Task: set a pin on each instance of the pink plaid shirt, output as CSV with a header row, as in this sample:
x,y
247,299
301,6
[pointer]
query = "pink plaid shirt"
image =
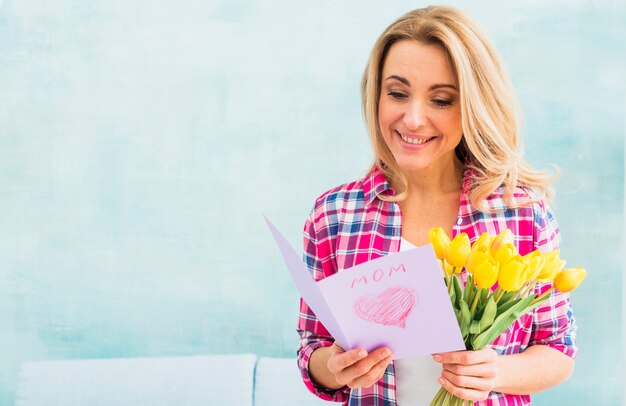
x,y
350,225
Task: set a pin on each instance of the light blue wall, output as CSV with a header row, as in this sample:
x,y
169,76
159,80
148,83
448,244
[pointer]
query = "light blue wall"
x,y
140,142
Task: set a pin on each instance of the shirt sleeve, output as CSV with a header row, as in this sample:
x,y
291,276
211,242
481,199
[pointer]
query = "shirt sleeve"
x,y
554,324
313,334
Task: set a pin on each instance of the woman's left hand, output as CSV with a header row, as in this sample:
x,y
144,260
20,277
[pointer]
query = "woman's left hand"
x,y
469,375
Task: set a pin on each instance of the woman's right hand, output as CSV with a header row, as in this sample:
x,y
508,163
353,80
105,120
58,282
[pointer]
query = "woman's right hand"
x,y
356,368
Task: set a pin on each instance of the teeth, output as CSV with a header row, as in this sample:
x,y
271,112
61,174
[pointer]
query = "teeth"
x,y
413,140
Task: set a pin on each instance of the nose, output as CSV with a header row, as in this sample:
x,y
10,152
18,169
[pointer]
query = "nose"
x,y
415,116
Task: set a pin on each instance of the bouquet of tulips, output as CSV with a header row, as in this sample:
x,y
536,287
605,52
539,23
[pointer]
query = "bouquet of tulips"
x,y
484,314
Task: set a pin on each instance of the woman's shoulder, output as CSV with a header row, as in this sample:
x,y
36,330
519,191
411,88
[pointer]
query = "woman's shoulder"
x,y
527,212
520,197
340,196
352,196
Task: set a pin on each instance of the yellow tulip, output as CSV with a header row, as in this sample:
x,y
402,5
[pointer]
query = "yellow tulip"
x,y
569,279
531,255
474,260
447,267
505,237
486,271
480,245
439,240
512,276
458,250
535,263
551,267
505,253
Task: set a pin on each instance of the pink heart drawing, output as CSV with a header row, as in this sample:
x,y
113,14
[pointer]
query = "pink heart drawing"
x,y
390,308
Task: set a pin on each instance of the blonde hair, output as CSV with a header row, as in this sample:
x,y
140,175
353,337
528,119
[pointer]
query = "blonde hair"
x,y
491,145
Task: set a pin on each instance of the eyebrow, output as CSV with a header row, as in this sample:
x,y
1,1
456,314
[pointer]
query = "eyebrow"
x,y
432,87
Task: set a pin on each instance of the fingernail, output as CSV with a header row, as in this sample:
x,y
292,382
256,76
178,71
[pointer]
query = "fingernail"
x,y
386,354
362,354
437,358
440,380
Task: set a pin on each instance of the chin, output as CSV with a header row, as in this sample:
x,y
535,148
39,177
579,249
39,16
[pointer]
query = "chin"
x,y
412,166
412,169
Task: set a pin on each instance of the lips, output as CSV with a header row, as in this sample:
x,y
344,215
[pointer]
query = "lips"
x,y
414,139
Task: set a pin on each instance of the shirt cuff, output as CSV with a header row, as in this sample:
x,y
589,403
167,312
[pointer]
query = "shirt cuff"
x,y
304,355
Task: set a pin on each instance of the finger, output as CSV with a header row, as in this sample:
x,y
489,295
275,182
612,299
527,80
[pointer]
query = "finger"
x,y
339,361
467,357
364,366
463,393
484,370
373,375
469,382
336,348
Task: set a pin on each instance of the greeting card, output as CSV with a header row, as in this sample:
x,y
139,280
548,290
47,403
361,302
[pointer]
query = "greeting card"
x,y
399,301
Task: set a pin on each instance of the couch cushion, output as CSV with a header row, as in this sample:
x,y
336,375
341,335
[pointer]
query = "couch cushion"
x,y
196,380
278,382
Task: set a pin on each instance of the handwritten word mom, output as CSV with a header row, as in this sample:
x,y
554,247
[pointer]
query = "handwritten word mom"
x,y
377,275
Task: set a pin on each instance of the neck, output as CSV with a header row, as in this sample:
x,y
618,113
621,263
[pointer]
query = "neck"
x,y
436,180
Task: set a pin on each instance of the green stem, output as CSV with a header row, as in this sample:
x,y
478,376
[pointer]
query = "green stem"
x,y
438,397
445,398
543,296
469,286
456,401
484,295
474,303
450,287
497,294
530,286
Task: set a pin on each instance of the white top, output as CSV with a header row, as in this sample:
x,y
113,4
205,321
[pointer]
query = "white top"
x,y
416,378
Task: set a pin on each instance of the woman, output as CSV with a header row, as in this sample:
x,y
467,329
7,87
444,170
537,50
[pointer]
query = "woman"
x,y
443,121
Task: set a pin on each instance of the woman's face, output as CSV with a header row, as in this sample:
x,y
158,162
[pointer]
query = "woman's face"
x,y
418,110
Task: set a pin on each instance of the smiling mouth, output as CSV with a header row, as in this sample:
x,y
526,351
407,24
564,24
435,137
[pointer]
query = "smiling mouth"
x,y
415,141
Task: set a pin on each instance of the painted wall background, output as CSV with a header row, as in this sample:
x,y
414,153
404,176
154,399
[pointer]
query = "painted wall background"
x,y
140,142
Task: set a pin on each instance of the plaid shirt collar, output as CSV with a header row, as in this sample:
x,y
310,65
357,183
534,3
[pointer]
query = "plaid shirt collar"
x,y
375,184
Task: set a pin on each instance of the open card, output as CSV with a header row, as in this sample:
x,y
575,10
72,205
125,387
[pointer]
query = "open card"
x,y
399,301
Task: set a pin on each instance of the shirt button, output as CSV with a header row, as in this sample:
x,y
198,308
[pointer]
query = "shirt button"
x,y
459,221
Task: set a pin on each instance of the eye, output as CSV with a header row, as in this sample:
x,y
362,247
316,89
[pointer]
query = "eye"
x,y
397,95
442,102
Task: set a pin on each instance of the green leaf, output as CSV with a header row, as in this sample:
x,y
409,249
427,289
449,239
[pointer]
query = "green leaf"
x,y
457,290
466,318
475,327
507,296
452,297
483,297
489,315
533,306
504,306
501,323
468,287
478,312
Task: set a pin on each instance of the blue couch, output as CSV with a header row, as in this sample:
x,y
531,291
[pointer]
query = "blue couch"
x,y
231,380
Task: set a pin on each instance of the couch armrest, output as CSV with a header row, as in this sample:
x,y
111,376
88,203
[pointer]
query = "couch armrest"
x,y
195,380
278,382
